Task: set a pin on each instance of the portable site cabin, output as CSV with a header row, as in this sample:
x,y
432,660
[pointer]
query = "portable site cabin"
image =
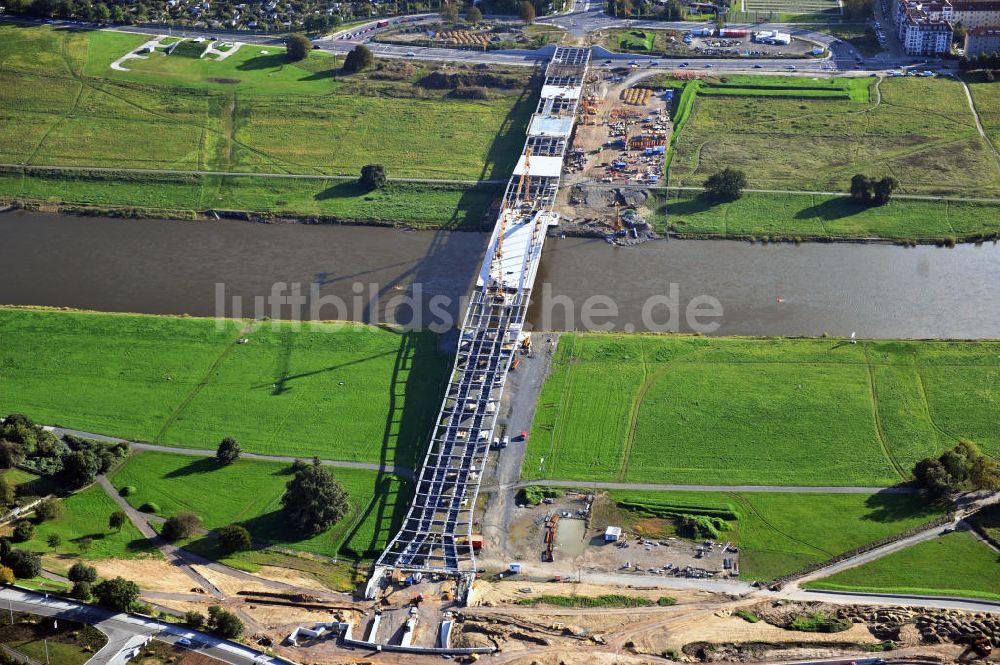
x,y
612,534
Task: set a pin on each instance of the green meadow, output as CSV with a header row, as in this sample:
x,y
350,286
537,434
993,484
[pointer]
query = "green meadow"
x,y
248,492
957,564
814,216
62,105
780,533
816,412
337,391
814,134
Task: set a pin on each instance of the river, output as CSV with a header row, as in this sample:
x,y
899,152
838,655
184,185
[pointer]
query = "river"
x,y
377,274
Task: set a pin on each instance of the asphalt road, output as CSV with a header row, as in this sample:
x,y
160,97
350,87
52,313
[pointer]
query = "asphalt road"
x,y
129,630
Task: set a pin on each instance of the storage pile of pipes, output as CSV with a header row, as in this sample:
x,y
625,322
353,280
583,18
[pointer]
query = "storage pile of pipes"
x,y
637,96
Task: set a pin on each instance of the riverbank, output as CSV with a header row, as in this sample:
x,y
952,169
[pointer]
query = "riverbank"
x,y
794,217
260,198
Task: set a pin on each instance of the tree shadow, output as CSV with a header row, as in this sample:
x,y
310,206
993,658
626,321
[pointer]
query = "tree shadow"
x,y
831,209
691,206
342,190
888,506
269,61
325,74
200,465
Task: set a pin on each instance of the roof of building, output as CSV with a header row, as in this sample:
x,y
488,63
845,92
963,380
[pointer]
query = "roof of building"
x,y
549,167
976,5
984,32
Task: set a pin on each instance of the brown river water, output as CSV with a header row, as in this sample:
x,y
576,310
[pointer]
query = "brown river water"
x,y
381,274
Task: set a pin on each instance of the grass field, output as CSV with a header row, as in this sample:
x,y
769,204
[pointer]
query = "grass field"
x,y
86,516
956,564
249,493
778,533
986,97
763,215
678,409
339,391
410,204
63,105
70,643
919,130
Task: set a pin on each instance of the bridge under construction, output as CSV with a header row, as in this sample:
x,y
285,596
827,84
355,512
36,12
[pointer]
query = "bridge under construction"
x,y
436,535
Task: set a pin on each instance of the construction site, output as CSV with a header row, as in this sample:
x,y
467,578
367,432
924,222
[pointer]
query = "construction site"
x,y
618,151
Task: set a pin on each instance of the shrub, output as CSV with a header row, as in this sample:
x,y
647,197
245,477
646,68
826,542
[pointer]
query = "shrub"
x,y
119,594
194,619
666,601
817,622
359,58
149,507
6,575
182,525
234,538
81,591
128,490
747,616
471,92
534,494
49,509
23,531
81,572
24,564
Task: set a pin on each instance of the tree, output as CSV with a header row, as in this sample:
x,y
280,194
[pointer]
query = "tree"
x,y
449,13
25,564
725,185
234,538
527,12
314,500
6,575
81,572
118,594
84,544
884,189
861,188
373,176
223,623
11,454
474,15
181,525
194,619
8,493
54,540
116,520
962,468
229,451
81,591
48,509
359,58
80,468
23,531
297,47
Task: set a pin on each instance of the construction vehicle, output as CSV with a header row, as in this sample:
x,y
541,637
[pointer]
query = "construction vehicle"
x,y
526,344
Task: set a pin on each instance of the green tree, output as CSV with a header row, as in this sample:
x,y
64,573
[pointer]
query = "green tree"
x,y
54,540
297,47
25,564
11,454
725,185
449,13
234,538
116,520
229,451
118,594
80,468
373,176
48,509
861,188
527,12
81,572
181,525
23,531
474,15
84,544
359,58
81,591
8,493
314,500
959,469
884,189
194,619
224,623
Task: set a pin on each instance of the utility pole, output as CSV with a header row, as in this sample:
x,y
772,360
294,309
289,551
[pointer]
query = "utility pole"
x,y
47,652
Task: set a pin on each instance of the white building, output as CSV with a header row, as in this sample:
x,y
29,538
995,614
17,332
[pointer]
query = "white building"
x,y
924,28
